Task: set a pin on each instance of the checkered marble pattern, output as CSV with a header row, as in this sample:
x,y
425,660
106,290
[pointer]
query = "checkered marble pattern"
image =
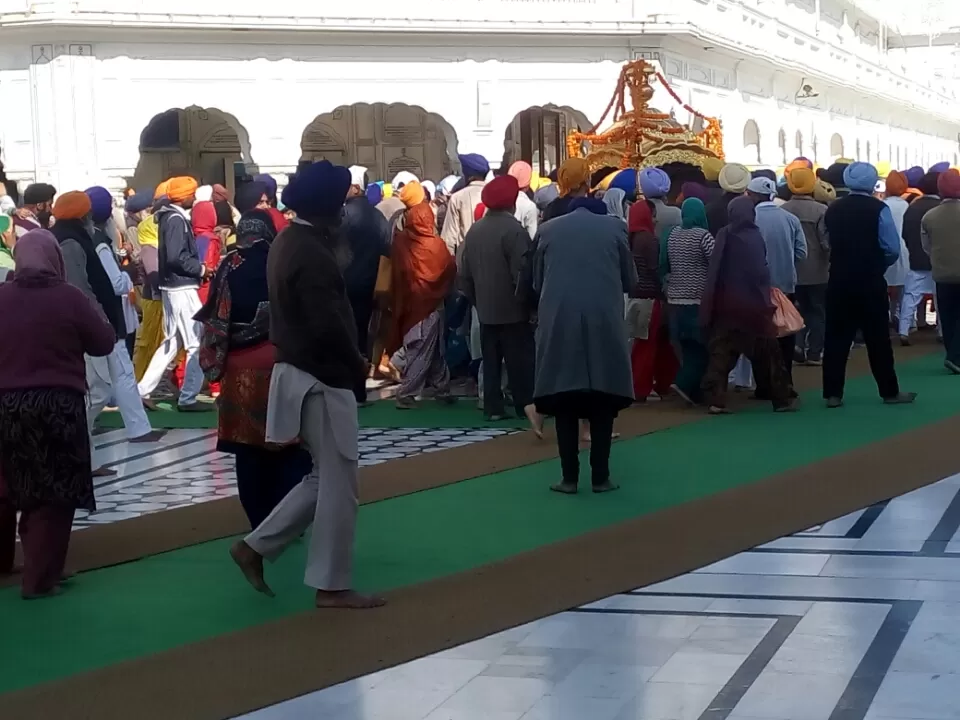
x,y
185,467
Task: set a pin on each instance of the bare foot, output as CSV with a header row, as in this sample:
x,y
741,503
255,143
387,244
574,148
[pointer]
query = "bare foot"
x,y
347,600
250,563
103,472
536,420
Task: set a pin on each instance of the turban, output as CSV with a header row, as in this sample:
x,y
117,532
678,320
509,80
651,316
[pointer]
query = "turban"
x,y
374,193
860,176
522,172
402,178
546,195
181,189
447,184
248,195
474,165
204,193
318,190
949,186
430,189
694,190
412,193
654,182
896,184
763,186
801,181
219,194
712,168
138,202
764,173
844,161
573,173
625,180
270,183
914,175
72,205
358,175
940,167
101,203
928,184
824,192
387,189
501,193
161,190
734,178
38,193
600,179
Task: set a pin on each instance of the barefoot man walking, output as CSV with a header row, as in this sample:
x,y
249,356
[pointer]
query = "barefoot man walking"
x,y
311,391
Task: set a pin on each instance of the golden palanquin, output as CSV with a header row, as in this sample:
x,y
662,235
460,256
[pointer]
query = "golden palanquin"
x,y
642,136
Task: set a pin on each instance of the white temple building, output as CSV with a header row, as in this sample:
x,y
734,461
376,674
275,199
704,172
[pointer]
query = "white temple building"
x,y
122,92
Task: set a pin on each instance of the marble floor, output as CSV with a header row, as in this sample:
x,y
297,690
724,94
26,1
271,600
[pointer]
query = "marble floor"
x,y
857,619
185,468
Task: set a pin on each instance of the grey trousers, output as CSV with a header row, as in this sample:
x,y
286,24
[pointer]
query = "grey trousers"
x,y
327,498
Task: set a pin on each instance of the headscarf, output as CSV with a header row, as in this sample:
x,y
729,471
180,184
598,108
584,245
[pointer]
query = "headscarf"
x,y
101,203
914,176
148,232
203,218
73,205
597,207
255,225
940,167
181,189
219,194
616,199
802,181
929,184
949,186
271,184
447,184
38,193
358,175
896,184
423,272
654,183
546,195
500,193
711,169
734,178
318,190
824,192
641,218
474,165
161,190
249,195
374,193
572,174
430,189
412,193
694,190
138,202
625,180
522,171
693,214
204,193
861,177
763,186
39,260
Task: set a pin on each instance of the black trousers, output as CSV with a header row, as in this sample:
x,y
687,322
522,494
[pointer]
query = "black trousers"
x,y
812,304
568,443
849,309
948,317
264,477
513,345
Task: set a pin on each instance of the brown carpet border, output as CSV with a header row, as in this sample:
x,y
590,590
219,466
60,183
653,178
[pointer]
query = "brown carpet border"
x,y
246,670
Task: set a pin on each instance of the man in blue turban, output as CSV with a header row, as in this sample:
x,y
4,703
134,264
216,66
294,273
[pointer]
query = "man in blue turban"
x,y
940,167
463,202
655,184
318,365
270,184
864,242
914,176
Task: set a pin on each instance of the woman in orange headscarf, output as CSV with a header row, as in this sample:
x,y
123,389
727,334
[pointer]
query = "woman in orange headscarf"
x,y
423,273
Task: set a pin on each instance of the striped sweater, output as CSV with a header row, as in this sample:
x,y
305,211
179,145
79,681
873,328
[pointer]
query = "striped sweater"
x,y
688,254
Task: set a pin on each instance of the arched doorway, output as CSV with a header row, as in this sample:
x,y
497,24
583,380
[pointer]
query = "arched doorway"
x,y
538,135
205,143
751,142
386,139
836,146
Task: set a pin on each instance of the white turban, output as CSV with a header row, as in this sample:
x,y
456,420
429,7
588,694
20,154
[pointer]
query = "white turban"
x,y
358,174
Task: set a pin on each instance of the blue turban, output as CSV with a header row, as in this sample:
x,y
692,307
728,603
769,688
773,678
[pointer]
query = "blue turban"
x,y
940,167
625,180
597,207
247,196
474,165
546,195
101,203
861,176
138,202
271,185
914,176
318,190
654,182
374,193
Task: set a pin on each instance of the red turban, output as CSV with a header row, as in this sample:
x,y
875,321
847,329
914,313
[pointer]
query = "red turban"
x,y
501,193
72,206
897,183
949,185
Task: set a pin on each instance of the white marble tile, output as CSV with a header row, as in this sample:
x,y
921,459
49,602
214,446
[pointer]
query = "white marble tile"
x,y
495,694
930,696
699,668
843,619
552,707
601,680
791,696
669,701
769,564
905,568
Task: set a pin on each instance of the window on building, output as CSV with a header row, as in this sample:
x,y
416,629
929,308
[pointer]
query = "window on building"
x,y
751,142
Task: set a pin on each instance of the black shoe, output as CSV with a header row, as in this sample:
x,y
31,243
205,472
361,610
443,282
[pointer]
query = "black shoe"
x,y
565,488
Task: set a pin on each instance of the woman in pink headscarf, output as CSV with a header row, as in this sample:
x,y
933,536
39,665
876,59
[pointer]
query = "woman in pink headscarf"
x,y
45,470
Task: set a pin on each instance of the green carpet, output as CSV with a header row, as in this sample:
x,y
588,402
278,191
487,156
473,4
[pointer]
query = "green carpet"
x,y
157,603
381,414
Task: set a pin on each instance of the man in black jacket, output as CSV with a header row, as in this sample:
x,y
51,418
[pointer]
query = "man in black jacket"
x,y
919,280
181,273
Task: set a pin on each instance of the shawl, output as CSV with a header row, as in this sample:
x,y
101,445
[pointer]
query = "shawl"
x,y
203,218
423,272
616,201
737,293
39,260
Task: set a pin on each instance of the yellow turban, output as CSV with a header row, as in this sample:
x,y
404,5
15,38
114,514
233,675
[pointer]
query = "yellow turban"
x,y
71,206
387,190
711,169
161,190
412,193
801,181
180,189
824,192
844,161
147,232
573,173
795,165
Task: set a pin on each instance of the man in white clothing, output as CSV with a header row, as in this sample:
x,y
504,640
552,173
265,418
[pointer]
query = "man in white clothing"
x,y
526,211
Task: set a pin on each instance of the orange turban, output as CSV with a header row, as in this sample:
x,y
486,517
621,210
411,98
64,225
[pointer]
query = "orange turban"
x,y
573,173
161,190
181,188
801,180
412,193
897,184
72,206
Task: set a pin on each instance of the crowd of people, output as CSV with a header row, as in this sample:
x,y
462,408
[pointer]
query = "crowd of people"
x,y
571,296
